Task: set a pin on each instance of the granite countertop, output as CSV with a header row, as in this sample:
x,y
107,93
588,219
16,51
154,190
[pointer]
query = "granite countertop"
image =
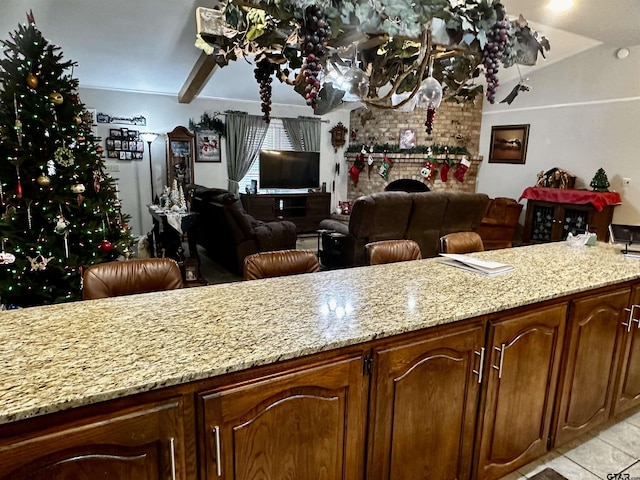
x,y
63,356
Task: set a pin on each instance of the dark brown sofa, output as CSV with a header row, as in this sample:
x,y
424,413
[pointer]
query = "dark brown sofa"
x,y
423,217
228,233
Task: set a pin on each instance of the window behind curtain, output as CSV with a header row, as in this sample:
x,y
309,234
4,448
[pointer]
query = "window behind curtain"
x,y
276,139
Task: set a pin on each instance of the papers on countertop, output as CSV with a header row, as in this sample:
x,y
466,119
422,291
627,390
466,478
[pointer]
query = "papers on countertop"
x,y
477,265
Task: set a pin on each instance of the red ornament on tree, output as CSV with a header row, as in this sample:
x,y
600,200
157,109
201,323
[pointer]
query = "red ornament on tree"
x,y
105,246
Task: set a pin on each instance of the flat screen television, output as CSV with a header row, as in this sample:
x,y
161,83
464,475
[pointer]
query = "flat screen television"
x,y
289,169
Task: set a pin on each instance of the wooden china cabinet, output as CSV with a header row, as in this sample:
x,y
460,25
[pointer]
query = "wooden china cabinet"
x,y
180,155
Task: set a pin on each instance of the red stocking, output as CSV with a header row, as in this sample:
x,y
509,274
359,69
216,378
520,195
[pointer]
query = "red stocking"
x,y
462,169
444,171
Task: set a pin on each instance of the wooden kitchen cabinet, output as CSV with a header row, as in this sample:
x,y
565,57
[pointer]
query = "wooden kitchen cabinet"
x,y
627,394
523,358
592,351
304,424
423,407
142,443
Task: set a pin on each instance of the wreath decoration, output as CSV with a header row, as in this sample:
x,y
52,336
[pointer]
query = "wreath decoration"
x,y
63,156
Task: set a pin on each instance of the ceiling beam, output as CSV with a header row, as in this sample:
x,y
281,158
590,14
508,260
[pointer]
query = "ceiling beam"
x,y
197,79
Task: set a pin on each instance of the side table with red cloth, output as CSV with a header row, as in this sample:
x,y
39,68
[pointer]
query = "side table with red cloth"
x,y
599,200
553,213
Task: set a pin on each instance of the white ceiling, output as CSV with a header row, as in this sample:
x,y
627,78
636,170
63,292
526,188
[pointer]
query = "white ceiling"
x,y
148,46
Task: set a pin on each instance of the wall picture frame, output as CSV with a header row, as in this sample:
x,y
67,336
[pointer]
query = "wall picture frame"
x,y
208,146
407,138
509,144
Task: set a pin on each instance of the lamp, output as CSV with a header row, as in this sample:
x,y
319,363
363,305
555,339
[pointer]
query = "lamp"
x,y
397,42
149,137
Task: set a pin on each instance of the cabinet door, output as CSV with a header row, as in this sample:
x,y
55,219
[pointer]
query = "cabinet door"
x,y
143,444
628,386
307,424
424,406
573,219
523,361
540,222
589,372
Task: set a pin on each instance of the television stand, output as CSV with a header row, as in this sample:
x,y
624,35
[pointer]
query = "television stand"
x,y
306,210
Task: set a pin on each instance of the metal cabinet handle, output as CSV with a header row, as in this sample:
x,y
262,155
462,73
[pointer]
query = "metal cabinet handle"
x,y
216,434
499,367
481,364
629,322
172,452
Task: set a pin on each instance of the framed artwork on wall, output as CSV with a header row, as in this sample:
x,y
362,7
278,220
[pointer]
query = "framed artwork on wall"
x,y
207,146
509,144
407,138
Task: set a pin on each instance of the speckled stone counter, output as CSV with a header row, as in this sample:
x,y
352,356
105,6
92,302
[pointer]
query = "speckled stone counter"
x,y
63,356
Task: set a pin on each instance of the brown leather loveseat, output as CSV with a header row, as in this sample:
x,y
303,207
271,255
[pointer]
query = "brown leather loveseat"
x,y
420,216
228,233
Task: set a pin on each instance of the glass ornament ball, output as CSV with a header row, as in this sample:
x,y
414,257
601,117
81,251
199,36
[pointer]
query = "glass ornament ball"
x,y
32,81
355,83
105,246
56,98
78,188
430,93
44,180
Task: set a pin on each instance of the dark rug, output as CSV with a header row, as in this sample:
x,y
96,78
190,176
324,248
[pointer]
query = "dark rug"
x,y
548,474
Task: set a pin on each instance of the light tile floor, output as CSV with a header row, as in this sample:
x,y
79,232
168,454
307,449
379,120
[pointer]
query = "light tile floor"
x,y
612,449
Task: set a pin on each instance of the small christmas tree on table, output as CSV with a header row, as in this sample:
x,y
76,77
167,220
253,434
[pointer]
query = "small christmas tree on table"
x,y
600,182
59,211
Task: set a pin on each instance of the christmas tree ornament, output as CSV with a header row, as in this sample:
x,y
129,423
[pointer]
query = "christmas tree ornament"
x,y
32,81
78,188
43,180
17,126
64,157
600,182
51,168
29,216
105,246
77,119
39,262
387,163
56,98
18,185
97,178
462,169
5,257
61,224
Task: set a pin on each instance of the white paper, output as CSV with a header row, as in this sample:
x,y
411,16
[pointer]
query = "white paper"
x,y
477,265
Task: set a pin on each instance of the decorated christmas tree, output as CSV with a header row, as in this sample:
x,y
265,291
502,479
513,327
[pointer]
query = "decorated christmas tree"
x,y
59,211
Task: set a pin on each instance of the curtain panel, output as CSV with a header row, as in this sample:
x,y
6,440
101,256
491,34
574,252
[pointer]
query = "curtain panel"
x,y
245,135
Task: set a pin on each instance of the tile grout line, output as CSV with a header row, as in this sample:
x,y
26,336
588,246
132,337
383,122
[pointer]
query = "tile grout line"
x,y
583,467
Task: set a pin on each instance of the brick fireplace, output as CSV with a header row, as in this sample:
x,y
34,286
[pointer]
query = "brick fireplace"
x,y
455,125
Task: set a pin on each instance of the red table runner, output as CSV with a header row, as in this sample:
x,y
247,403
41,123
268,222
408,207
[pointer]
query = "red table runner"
x,y
599,200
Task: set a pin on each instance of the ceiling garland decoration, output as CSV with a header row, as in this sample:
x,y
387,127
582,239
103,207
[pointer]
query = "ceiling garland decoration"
x,y
391,54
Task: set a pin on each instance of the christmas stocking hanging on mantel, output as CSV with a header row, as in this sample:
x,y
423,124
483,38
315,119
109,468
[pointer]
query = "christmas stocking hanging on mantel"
x,y
462,169
385,167
444,170
356,168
